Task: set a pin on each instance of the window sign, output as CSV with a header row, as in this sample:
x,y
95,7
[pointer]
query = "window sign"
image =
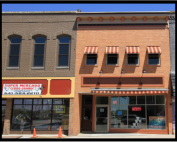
x,y
60,109
156,122
136,108
119,112
22,89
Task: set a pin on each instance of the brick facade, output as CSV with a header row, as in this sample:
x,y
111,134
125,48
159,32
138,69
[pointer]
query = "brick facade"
x,y
28,25
121,37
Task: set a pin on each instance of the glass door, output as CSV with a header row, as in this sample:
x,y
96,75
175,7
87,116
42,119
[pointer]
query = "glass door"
x,y
101,118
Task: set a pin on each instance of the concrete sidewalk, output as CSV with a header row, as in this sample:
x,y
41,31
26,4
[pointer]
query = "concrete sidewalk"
x,y
99,136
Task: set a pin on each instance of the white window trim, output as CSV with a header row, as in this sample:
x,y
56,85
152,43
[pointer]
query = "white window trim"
x,y
127,60
91,64
112,64
154,64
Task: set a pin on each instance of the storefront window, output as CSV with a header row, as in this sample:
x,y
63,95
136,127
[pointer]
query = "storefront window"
x,y
42,114
141,112
136,117
156,117
21,117
101,100
3,112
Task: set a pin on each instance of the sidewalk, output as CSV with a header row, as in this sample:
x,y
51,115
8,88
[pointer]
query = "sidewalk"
x,y
98,135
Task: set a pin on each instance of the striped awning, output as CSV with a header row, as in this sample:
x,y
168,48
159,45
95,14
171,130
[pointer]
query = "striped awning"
x,y
91,50
112,50
154,50
132,50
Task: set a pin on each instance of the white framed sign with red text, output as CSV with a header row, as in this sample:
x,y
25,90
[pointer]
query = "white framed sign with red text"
x,y
22,89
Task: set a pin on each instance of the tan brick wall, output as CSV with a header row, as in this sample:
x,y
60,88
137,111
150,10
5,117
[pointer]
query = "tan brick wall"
x,y
121,38
71,110
6,129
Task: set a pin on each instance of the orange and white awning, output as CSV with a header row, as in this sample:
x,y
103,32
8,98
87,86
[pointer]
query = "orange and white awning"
x,y
154,50
91,50
112,50
132,50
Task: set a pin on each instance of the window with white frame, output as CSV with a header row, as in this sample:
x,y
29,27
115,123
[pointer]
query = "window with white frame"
x,y
154,59
132,59
112,59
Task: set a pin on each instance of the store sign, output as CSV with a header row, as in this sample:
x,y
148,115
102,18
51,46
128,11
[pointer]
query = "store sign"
x,y
60,109
22,89
114,102
136,108
156,122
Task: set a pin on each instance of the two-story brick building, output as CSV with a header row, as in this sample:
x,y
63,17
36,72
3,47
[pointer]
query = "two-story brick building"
x,y
122,73
38,71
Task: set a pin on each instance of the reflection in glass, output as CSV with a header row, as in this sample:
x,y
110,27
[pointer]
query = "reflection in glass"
x,y
27,101
3,116
37,101
3,102
60,117
40,40
136,118
21,117
16,40
118,117
123,100
47,101
57,101
41,117
114,101
17,101
64,40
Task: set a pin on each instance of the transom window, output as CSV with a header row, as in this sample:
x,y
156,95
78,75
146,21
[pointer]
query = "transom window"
x,y
39,52
63,55
14,52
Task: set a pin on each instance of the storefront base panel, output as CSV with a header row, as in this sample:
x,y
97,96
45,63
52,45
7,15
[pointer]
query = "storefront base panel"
x,y
38,132
140,131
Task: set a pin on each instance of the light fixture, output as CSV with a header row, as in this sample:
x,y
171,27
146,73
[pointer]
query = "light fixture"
x,y
144,71
101,72
122,72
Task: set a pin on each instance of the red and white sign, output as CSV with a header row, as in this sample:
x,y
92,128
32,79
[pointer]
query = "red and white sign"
x,y
15,89
136,108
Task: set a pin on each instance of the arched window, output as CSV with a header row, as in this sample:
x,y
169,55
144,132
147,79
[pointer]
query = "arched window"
x,y
14,52
39,52
63,55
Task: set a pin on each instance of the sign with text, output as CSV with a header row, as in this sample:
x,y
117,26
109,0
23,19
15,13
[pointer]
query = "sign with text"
x,y
60,109
156,122
136,108
22,89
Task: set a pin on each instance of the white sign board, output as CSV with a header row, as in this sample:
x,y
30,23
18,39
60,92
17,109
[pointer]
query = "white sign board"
x,y
22,89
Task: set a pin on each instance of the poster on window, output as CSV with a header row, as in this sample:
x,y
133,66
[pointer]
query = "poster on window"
x,y
156,122
60,109
22,89
66,122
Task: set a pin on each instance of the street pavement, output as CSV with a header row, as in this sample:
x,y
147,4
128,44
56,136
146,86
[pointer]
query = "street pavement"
x,y
100,136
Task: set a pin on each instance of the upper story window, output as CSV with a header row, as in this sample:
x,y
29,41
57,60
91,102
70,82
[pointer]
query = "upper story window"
x,y
154,59
112,59
63,55
132,59
91,59
14,52
39,52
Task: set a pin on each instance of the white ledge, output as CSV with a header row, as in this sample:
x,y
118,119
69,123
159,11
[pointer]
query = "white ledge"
x,y
12,68
62,67
37,68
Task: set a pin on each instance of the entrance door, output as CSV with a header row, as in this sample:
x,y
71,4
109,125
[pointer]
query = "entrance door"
x,y
101,118
86,122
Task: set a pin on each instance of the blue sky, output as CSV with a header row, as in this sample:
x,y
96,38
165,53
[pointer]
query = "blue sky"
x,y
88,7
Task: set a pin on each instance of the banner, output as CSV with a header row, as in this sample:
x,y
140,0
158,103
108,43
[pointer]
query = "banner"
x,y
22,89
156,122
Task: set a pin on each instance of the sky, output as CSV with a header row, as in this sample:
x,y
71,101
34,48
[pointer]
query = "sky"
x,y
88,7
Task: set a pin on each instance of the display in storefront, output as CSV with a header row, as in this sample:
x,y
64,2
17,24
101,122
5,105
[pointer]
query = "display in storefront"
x,y
156,122
136,108
60,109
26,89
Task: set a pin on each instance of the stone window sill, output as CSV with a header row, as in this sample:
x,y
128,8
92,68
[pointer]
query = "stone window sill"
x,y
37,68
12,68
62,67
